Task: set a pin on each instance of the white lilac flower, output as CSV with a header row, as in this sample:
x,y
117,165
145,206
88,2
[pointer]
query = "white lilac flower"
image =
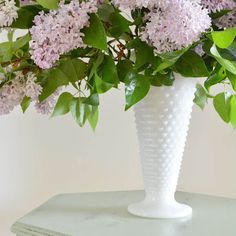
x,y
59,31
177,26
8,12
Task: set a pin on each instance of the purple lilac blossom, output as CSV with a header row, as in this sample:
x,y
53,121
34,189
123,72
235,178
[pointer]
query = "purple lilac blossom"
x,y
177,26
46,107
199,50
32,88
130,4
26,2
227,21
13,92
59,31
218,5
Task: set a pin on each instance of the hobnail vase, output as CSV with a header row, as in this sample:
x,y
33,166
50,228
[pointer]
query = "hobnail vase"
x,y
162,121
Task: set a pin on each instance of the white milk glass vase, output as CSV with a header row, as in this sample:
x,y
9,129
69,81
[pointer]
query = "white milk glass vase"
x,y
162,120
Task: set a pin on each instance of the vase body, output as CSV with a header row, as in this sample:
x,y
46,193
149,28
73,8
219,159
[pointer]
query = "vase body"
x,y
162,121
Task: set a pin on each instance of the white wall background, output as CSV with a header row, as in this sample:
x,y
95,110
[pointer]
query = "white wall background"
x,y
41,157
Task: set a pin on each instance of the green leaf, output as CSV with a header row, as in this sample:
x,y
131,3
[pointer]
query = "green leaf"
x,y
102,86
74,69
144,54
25,104
228,65
79,110
49,4
81,52
107,71
232,79
54,79
104,12
217,76
138,16
207,45
93,117
200,96
223,39
63,104
169,59
94,64
17,2
218,14
119,24
233,111
21,42
123,67
6,51
1,69
191,65
222,105
71,70
136,88
26,15
95,34
228,53
93,100
162,79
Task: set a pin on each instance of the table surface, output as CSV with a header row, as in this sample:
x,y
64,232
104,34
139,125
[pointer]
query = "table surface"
x,y
105,214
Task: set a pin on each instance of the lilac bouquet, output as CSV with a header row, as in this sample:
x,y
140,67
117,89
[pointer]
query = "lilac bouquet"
x,y
96,45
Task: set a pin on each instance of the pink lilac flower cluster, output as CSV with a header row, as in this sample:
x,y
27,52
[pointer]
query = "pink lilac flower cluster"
x,y
199,50
131,4
11,95
8,12
59,31
13,92
26,2
218,5
32,88
176,26
46,107
226,21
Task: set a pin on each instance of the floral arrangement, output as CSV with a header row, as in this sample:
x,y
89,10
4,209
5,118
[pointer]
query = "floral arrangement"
x,y
93,46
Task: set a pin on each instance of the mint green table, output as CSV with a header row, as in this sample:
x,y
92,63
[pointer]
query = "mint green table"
x,y
105,214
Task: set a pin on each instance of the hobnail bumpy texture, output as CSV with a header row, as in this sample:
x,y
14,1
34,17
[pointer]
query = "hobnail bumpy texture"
x,y
162,120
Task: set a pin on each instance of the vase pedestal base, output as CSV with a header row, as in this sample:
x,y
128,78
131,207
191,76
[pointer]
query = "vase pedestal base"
x,y
155,209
